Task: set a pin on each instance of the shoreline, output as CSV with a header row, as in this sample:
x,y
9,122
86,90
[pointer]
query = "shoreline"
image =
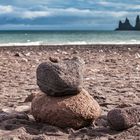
x,y
77,46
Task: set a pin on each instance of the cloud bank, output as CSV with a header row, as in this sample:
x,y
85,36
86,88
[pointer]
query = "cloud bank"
x,y
56,14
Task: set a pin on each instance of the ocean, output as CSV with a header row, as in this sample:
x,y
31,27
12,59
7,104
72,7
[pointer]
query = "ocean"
x,y
8,38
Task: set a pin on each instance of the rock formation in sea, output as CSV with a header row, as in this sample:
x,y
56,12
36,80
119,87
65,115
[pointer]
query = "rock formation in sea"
x,y
137,26
124,26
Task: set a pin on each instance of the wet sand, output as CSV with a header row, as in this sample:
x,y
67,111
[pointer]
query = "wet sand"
x,y
112,77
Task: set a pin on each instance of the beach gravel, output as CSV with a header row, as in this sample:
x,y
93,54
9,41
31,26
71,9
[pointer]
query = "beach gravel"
x,y
112,77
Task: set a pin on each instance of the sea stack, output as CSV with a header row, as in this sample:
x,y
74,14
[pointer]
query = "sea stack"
x,y
62,100
126,26
137,26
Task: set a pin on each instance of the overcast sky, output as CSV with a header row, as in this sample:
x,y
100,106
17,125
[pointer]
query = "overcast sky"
x,y
66,14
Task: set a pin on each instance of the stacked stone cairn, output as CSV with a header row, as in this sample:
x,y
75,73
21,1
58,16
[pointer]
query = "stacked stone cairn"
x,y
62,100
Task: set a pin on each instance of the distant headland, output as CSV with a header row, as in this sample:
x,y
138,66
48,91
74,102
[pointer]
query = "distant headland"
x,y
124,26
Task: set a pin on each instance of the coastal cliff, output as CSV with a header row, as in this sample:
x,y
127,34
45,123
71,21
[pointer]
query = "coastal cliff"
x,y
124,26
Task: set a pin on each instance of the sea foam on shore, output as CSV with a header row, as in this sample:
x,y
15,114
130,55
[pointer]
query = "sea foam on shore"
x,y
37,43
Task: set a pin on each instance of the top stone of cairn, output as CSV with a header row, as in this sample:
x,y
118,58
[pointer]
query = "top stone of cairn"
x,y
62,78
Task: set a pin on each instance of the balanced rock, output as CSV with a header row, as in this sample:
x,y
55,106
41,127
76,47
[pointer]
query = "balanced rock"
x,y
74,111
62,78
123,118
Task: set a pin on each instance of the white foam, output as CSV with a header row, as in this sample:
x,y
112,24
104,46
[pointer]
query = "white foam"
x,y
77,42
22,44
37,43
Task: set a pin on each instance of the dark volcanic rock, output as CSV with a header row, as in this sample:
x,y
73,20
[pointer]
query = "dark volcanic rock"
x,y
59,79
123,118
13,114
74,111
137,26
18,54
125,26
54,59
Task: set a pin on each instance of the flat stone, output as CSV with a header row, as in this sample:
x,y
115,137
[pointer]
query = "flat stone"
x,y
11,115
18,134
23,108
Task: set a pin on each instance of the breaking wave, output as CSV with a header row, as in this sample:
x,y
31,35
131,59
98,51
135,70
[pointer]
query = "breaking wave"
x,y
68,43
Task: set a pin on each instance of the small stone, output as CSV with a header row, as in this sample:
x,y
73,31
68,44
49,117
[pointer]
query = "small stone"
x,y
75,52
64,52
12,114
138,124
24,60
27,54
124,105
60,79
68,111
102,121
40,137
123,118
52,130
18,54
9,127
54,59
17,134
23,108
6,110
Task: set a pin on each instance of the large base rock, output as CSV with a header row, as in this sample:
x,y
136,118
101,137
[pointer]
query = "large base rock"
x,y
62,78
69,111
123,118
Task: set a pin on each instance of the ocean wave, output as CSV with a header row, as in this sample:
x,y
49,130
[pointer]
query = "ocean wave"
x,y
100,43
22,44
37,43
77,42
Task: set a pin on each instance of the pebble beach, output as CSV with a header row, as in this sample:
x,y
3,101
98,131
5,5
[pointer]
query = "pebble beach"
x,y
111,76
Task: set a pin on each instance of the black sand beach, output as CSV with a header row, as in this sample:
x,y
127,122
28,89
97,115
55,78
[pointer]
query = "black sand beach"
x,y
112,77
